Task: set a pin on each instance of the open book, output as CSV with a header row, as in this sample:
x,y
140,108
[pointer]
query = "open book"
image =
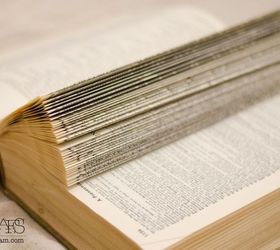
x,y
135,158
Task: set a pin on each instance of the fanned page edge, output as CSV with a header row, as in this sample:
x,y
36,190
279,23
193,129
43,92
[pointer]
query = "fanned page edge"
x,y
202,15
277,194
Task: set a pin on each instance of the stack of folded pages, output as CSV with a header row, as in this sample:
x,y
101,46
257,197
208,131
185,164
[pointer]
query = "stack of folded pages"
x,y
52,146
113,118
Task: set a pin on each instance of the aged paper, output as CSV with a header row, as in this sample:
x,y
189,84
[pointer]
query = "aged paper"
x,y
178,189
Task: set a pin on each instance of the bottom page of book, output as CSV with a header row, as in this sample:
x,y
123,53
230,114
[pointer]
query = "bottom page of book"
x,y
170,193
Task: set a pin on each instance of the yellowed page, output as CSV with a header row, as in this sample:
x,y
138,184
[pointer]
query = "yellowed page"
x,y
170,193
60,62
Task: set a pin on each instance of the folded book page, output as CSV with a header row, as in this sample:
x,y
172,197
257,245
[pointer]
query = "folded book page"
x,y
172,192
93,51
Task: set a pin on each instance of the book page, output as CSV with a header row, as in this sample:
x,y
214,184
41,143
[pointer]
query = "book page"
x,y
93,51
6,105
166,195
83,55
97,50
55,64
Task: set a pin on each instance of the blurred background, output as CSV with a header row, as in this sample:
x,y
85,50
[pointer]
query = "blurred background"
x,y
26,22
